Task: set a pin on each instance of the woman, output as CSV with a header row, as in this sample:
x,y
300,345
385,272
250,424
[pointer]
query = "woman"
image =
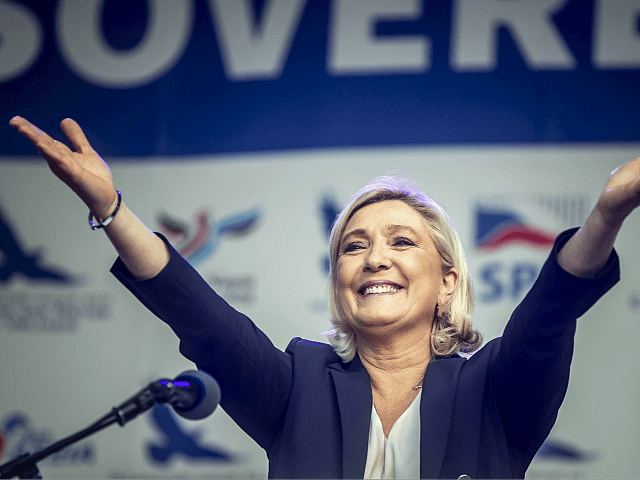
x,y
393,399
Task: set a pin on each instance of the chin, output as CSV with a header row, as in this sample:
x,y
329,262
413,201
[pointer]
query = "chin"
x,y
375,322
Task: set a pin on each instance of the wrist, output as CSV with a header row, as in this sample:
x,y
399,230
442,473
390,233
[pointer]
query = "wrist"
x,y
604,219
102,221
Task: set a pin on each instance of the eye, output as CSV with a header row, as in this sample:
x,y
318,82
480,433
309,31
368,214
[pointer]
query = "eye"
x,y
352,247
402,242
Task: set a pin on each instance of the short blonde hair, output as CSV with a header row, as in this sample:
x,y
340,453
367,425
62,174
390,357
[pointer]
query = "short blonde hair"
x,y
452,328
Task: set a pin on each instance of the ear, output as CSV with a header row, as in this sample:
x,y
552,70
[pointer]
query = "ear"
x,y
448,287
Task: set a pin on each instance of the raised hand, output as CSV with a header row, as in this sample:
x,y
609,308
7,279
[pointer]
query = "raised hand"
x,y
588,250
82,169
621,194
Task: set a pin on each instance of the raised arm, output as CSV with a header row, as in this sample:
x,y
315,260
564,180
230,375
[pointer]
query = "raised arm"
x,y
86,173
530,374
587,251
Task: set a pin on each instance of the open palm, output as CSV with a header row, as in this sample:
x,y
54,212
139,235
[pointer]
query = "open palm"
x,y
82,169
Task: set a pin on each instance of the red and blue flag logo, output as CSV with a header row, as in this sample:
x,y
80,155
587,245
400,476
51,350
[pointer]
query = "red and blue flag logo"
x,y
529,220
498,229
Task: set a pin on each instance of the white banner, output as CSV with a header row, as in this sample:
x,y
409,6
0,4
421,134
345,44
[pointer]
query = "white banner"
x,y
76,343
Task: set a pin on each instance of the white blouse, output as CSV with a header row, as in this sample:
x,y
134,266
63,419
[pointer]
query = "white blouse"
x,y
397,456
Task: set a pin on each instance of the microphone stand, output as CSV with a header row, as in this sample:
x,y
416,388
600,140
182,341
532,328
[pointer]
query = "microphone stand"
x,y
161,391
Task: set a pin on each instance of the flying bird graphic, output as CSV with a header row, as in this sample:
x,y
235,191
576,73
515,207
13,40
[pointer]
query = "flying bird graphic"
x,y
197,245
29,264
554,449
173,440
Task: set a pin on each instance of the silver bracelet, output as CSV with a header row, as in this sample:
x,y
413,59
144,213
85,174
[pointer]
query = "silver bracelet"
x,y
109,219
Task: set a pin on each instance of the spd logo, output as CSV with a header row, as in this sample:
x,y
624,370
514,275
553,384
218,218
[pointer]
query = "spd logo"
x,y
514,233
498,229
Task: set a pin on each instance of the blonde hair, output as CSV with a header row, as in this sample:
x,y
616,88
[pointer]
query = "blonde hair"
x,y
452,330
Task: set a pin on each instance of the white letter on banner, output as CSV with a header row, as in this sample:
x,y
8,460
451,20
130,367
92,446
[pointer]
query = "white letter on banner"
x,y
616,42
85,50
252,50
354,48
21,40
474,34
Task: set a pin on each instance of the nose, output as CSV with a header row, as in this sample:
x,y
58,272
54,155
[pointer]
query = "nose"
x,y
376,259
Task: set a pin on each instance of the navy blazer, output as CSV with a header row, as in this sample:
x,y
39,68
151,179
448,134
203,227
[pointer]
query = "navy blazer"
x,y
485,416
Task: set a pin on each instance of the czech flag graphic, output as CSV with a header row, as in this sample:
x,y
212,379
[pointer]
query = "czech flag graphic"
x,y
497,229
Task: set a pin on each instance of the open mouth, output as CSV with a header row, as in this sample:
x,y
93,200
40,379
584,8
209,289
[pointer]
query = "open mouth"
x,y
378,290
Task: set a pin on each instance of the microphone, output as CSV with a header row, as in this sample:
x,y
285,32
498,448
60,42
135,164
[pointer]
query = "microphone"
x,y
192,394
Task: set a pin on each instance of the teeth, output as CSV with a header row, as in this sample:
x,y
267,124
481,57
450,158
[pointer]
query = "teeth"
x,y
380,289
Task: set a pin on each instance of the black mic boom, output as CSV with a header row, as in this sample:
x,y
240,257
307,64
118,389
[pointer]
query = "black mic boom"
x,y
192,394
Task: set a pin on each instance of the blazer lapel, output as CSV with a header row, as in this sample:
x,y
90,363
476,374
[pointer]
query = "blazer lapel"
x,y
353,389
436,412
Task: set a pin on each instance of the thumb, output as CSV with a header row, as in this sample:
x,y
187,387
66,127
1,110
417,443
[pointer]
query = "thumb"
x,y
75,135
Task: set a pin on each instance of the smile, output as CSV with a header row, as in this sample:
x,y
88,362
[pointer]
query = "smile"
x,y
379,289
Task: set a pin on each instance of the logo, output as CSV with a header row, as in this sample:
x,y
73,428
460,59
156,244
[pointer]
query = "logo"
x,y
41,311
561,459
196,243
497,229
51,312
174,442
508,220
329,211
557,450
200,241
18,436
15,259
511,230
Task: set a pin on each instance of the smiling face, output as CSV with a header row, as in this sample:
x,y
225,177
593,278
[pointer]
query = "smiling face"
x,y
389,272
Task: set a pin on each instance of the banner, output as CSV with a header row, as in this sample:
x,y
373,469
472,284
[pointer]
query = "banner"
x,y
188,77
255,121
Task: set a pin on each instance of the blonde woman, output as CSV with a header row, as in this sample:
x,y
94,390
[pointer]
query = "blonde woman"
x,y
391,397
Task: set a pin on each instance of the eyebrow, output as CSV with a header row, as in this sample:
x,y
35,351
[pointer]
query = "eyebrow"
x,y
401,228
361,232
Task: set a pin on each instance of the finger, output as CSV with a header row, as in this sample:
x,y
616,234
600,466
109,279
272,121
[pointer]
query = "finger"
x,y
76,136
59,157
30,131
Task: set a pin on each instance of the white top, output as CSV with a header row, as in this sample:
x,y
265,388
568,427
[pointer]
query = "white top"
x,y
399,455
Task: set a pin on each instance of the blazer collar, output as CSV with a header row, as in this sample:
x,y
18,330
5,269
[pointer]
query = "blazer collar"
x,y
353,389
439,390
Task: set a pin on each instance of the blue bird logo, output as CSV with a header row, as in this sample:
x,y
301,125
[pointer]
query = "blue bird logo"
x,y
329,211
18,261
174,441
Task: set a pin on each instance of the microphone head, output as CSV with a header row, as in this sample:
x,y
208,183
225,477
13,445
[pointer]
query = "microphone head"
x,y
209,395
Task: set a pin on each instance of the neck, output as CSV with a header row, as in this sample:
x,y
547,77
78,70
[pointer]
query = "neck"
x,y
395,363
395,369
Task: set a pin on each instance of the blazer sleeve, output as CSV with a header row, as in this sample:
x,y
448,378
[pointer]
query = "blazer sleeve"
x,y
530,375
254,376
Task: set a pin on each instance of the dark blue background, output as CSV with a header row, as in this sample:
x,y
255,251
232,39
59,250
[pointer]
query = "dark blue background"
x,y
194,109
